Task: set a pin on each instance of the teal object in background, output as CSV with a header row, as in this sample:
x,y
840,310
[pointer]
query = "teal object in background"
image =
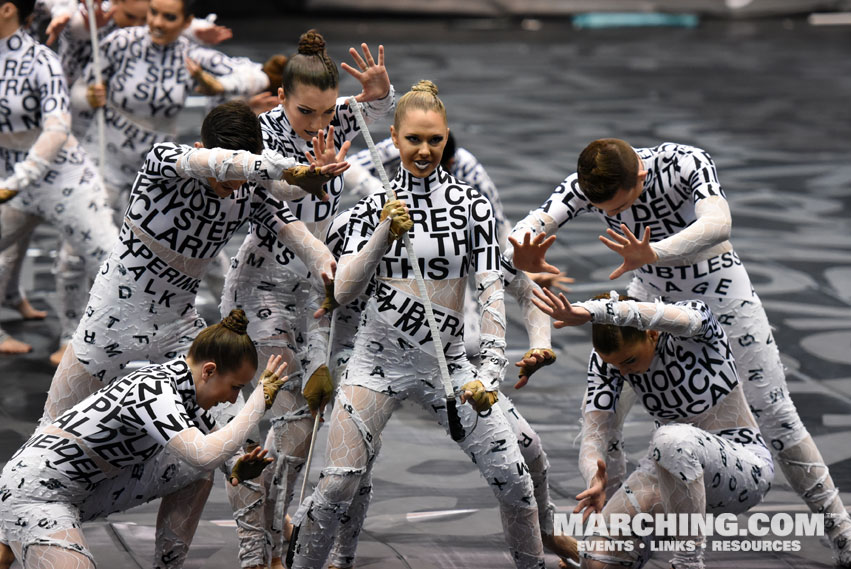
x,y
597,20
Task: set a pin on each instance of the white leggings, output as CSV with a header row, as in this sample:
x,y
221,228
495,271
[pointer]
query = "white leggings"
x,y
378,377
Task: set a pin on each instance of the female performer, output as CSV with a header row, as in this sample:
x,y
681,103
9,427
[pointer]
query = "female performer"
x,y
670,196
270,283
92,458
148,73
707,455
46,173
394,356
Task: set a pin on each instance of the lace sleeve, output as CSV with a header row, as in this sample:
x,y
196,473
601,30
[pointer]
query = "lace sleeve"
x,y
365,246
379,108
676,319
595,433
711,228
354,272
490,297
318,330
313,252
222,164
210,451
537,323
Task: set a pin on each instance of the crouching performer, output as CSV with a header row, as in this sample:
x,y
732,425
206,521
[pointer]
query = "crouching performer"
x,y
706,454
138,438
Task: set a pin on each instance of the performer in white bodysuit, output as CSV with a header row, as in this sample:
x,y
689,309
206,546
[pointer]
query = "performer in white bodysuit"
x,y
46,173
453,234
269,282
669,219
112,450
706,454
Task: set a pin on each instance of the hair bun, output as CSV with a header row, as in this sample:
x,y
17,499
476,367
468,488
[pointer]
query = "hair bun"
x,y
236,321
311,42
425,86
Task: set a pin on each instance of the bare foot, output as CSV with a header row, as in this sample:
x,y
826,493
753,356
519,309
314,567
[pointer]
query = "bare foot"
x,y
564,546
56,356
13,346
29,312
6,556
288,528
277,563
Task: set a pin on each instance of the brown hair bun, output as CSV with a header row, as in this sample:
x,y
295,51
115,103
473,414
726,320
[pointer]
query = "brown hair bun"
x,y
311,42
236,321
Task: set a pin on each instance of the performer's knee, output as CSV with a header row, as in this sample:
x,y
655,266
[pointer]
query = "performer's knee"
x,y
678,449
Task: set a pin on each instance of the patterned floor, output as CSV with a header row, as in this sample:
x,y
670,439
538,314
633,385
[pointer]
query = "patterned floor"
x,y
767,98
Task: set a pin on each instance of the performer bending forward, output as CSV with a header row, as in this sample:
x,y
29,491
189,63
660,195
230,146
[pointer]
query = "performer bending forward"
x,y
707,455
394,356
99,455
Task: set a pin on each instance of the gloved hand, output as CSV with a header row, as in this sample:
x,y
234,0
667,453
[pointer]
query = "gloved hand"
x,y
319,389
400,221
330,303
6,195
474,392
249,465
96,95
309,179
270,381
207,84
532,361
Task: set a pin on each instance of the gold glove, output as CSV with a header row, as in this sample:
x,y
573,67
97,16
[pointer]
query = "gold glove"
x,y
271,385
308,179
6,195
319,389
400,221
330,303
92,98
544,357
248,469
482,399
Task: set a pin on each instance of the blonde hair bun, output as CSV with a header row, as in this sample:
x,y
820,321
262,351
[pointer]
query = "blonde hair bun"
x,y
425,86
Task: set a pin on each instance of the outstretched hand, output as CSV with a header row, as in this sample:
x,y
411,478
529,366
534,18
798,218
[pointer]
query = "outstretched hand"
x,y
593,499
325,158
55,27
559,309
271,380
635,253
371,75
530,255
213,35
250,465
552,281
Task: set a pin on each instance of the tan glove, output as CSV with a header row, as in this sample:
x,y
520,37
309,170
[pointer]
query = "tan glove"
x,y
308,179
247,467
330,303
6,195
400,221
207,84
544,357
96,96
271,385
319,389
482,399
